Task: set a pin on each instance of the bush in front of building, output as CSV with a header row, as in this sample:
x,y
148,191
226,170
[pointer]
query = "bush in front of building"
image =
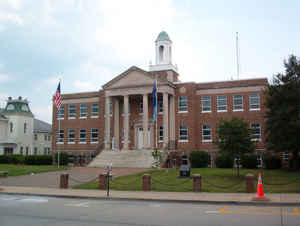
x,y
272,162
63,158
38,160
199,159
12,159
249,161
224,161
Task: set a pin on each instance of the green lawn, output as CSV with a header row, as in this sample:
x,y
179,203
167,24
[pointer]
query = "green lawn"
x,y
213,180
17,170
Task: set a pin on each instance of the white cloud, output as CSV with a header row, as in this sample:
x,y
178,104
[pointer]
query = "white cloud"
x,y
12,17
84,86
43,113
11,4
3,98
4,78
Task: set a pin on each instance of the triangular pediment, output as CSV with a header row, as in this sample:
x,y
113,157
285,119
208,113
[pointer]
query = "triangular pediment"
x,y
134,76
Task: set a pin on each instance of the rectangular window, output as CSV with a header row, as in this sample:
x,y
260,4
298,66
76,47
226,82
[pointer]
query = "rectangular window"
x,y
110,107
49,138
45,151
72,111
237,103
21,150
94,135
95,110
206,104
254,101
35,151
141,105
183,105
286,156
183,133
222,103
35,136
259,161
60,136
83,110
25,127
256,131
61,113
45,137
71,136
82,136
160,106
27,150
161,133
206,133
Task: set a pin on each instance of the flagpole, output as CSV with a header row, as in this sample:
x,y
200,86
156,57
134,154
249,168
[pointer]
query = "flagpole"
x,y
156,116
58,155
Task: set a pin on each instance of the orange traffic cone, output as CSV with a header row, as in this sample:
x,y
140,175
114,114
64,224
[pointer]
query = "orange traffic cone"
x,y
260,196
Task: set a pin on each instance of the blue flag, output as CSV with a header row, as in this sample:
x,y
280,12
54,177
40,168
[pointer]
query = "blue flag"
x,y
154,100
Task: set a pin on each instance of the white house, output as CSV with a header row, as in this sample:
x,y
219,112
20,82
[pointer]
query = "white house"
x,y
20,132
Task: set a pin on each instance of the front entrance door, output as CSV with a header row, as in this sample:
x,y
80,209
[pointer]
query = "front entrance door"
x,y
140,138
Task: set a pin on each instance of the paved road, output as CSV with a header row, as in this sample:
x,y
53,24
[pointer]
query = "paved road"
x,y
37,211
77,175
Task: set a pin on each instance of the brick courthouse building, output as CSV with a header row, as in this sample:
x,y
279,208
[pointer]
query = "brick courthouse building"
x,y
119,116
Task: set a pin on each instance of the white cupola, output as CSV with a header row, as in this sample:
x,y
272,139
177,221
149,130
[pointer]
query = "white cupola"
x,y
163,53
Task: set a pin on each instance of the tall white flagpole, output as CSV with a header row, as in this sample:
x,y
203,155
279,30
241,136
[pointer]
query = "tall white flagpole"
x,y
58,155
156,115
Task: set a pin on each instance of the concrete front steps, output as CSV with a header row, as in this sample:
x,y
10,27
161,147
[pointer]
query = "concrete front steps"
x,y
126,159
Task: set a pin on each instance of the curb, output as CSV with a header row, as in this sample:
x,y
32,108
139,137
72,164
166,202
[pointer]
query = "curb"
x,y
209,202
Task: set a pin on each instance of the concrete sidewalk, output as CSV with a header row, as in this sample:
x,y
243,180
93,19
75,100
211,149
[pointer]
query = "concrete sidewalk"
x,y
187,197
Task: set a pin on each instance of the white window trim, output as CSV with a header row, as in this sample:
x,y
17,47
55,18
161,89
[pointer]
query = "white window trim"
x,y
183,141
95,116
206,141
236,110
221,110
72,117
59,142
94,142
254,109
256,139
72,142
83,117
82,142
206,111
60,118
180,112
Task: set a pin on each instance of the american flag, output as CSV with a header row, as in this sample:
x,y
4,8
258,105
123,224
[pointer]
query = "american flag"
x,y
57,97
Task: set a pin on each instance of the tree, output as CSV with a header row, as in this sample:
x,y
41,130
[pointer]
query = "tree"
x,y
283,115
234,138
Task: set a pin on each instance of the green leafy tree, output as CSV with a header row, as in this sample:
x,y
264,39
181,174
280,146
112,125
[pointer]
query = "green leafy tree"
x,y
234,138
283,115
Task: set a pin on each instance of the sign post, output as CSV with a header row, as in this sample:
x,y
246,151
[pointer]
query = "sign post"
x,y
107,168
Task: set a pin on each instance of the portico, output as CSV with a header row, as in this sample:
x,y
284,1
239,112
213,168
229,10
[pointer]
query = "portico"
x,y
129,111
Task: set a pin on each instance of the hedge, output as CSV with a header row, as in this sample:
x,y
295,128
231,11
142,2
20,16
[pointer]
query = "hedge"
x,y
224,161
27,160
249,161
199,159
63,158
272,162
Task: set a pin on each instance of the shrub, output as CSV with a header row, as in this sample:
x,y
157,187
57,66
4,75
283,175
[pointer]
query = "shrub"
x,y
199,159
63,158
249,161
272,162
12,159
38,160
224,161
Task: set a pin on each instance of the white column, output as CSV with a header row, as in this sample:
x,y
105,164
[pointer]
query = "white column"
x,y
107,124
145,121
172,118
166,119
116,123
126,122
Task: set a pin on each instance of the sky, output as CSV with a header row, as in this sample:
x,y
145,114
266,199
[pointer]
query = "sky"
x,y
86,43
